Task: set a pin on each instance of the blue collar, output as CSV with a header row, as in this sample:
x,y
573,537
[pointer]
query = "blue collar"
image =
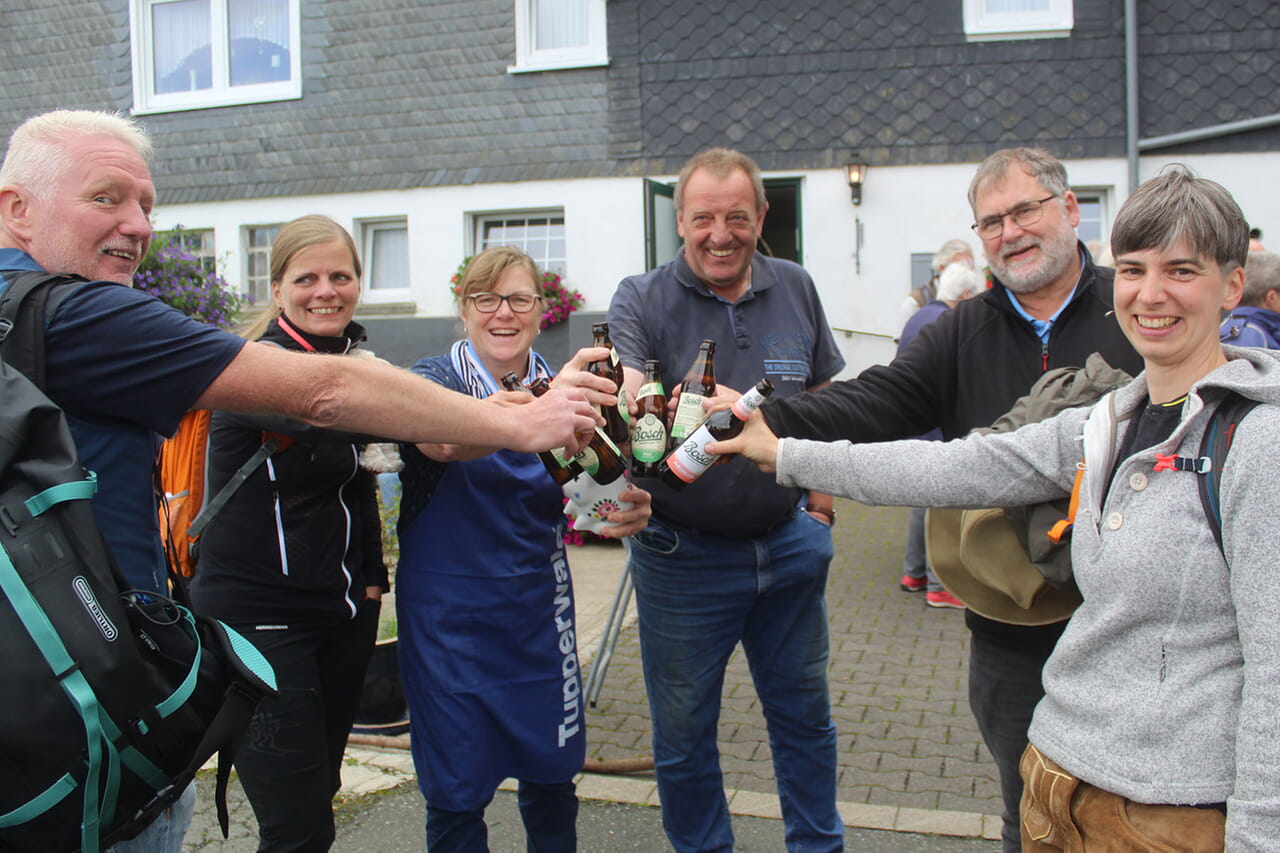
x,y
1043,327
16,259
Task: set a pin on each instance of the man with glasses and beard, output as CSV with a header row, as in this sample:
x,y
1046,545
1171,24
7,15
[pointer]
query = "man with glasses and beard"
x,y
1048,306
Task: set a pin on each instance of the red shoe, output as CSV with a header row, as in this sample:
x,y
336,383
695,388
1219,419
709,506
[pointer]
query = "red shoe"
x,y
910,584
942,598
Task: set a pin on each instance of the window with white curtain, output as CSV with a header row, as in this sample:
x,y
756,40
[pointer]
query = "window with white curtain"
x,y
191,54
554,34
386,257
989,20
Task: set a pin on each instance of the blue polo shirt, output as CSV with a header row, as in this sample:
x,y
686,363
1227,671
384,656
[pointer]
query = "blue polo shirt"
x,y
777,329
125,368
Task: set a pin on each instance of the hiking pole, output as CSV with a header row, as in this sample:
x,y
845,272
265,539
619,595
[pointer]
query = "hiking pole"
x,y
612,628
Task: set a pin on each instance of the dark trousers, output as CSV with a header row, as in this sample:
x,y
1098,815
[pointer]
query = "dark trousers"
x,y
1004,687
549,812
291,761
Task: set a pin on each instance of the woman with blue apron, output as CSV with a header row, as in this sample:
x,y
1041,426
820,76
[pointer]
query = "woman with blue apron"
x,y
484,601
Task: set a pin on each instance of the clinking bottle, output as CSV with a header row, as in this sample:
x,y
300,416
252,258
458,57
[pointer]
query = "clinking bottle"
x,y
616,418
699,383
562,470
690,460
649,429
601,459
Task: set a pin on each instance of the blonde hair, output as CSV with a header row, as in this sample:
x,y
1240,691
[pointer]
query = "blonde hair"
x,y
302,233
37,156
486,269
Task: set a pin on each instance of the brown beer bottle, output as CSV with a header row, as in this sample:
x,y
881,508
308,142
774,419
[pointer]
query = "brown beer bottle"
x,y
561,470
616,418
690,460
601,459
699,383
649,429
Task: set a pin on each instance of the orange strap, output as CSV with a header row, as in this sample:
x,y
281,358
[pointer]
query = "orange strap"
x,y
1061,527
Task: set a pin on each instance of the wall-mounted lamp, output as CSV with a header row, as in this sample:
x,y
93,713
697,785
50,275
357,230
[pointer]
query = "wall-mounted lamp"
x,y
856,173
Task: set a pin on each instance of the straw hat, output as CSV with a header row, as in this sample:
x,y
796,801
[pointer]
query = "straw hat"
x,y
976,555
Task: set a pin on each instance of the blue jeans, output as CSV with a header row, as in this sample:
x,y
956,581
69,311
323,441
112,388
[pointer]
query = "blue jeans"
x,y
914,562
166,832
549,813
697,596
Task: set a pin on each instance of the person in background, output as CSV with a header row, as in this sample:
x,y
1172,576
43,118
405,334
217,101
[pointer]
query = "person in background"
x,y
1048,306
76,198
1157,727
294,560
957,282
484,599
1255,240
733,557
1255,322
950,252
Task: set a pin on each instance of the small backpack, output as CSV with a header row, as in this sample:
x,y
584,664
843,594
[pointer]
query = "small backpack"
x,y
113,698
182,481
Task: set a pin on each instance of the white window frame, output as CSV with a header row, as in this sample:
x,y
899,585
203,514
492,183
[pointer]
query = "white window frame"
x,y
479,220
981,25
368,229
221,94
1102,195
529,58
263,251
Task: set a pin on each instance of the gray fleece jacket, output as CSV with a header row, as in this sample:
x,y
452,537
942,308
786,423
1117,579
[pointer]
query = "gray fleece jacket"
x,y
1165,687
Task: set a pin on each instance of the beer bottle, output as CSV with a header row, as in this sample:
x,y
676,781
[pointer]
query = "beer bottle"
x,y
688,461
616,418
561,470
649,429
699,383
601,459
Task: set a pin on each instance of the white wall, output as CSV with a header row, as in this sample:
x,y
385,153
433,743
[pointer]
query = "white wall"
x,y
904,210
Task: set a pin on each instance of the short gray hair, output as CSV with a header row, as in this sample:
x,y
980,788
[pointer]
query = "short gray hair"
x,y
721,163
947,253
1176,205
1036,162
37,156
1261,274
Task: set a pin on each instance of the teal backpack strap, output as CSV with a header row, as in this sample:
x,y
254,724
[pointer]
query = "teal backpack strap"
x,y
80,692
1218,436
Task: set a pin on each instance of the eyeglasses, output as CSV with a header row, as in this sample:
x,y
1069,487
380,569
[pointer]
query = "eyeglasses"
x,y
488,303
1022,216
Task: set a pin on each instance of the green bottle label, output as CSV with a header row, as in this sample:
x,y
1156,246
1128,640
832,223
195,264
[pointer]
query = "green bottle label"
x,y
648,439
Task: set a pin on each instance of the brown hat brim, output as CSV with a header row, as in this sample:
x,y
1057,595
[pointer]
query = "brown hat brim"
x,y
976,555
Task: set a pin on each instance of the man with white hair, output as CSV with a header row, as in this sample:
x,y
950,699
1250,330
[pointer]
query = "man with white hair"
x,y
76,198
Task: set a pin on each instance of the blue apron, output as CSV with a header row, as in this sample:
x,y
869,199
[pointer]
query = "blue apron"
x,y
488,653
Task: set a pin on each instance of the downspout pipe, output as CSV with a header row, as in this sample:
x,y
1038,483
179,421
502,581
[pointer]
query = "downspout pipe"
x,y
1131,89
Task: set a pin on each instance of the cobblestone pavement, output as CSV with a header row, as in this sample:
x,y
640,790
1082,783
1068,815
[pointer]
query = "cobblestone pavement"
x,y
899,671
911,758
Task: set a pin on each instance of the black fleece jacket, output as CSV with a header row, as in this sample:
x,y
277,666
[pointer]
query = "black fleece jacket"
x,y
301,539
962,371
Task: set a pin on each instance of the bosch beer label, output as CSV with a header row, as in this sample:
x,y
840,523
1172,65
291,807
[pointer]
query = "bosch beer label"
x,y
648,439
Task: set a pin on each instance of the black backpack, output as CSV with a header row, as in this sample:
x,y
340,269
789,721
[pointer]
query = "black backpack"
x,y
112,699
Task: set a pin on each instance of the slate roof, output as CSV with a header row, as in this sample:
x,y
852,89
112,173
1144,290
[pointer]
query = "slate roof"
x,y
407,93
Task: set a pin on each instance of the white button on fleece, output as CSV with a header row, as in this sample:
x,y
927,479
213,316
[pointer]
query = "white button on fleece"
x,y
1115,520
1138,481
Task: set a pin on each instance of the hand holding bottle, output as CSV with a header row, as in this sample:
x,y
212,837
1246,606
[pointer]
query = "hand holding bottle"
x,y
756,442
